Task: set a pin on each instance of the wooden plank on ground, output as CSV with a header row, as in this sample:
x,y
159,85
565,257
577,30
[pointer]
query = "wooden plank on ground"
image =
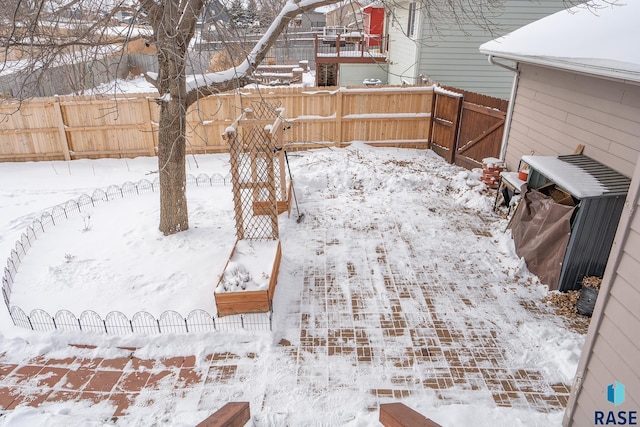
x,y
233,414
400,415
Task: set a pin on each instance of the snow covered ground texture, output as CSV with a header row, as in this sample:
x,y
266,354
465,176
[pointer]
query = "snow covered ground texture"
x,y
398,285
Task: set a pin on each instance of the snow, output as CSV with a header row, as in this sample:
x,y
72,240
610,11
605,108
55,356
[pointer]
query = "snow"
x,y
65,266
492,162
350,196
137,84
571,178
249,269
353,54
438,89
598,37
374,116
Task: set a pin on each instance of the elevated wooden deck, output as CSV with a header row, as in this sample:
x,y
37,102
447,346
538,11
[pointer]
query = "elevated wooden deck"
x,y
344,49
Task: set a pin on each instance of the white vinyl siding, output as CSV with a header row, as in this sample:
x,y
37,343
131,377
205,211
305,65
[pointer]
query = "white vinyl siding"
x,y
555,111
402,54
449,55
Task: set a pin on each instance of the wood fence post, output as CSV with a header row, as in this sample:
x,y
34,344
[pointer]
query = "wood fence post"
x,y
433,113
62,134
149,138
338,131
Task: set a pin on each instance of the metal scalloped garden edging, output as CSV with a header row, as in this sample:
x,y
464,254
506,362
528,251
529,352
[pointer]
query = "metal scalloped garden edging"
x,y
115,322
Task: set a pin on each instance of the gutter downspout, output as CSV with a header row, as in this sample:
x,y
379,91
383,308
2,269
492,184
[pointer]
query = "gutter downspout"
x,y
512,97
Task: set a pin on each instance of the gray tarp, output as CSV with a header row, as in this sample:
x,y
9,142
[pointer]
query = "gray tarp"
x,y
541,229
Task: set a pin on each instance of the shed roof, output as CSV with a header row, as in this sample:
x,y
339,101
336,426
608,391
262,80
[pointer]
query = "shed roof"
x,y
598,37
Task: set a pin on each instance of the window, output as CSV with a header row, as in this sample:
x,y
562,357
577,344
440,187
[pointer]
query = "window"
x,y
411,24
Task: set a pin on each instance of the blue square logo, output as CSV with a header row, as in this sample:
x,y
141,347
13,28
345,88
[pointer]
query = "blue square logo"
x,y
615,393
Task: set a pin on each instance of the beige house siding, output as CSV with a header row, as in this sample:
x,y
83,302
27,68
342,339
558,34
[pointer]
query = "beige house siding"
x,y
612,349
555,111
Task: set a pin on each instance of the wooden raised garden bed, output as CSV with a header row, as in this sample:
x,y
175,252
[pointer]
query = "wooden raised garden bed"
x,y
249,279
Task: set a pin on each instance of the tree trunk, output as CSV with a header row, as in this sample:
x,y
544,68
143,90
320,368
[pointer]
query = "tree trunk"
x,y
173,28
171,160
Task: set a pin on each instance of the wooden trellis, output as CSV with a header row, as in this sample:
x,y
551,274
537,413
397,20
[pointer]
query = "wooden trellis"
x,y
259,196
258,173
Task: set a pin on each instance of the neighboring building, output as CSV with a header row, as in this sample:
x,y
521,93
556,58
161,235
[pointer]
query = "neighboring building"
x,y
352,57
447,53
347,15
578,82
373,24
309,21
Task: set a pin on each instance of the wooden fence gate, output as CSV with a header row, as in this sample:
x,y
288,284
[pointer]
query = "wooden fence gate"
x,y
444,123
467,126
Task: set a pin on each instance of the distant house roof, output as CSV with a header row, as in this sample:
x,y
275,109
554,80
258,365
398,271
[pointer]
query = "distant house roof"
x,y
599,37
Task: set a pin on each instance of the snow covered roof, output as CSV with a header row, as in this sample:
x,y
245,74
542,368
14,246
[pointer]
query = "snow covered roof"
x,y
599,37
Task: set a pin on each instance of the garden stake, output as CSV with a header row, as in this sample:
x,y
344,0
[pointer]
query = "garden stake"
x,y
293,189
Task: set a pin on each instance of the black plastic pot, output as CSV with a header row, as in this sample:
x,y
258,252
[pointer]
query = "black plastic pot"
x,y
587,300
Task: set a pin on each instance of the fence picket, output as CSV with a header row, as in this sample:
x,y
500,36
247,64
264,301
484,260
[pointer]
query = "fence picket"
x,y
20,318
143,322
26,243
200,321
171,321
144,186
41,320
117,323
5,297
129,189
218,179
46,220
114,192
99,196
230,323
91,321
66,320
71,207
58,213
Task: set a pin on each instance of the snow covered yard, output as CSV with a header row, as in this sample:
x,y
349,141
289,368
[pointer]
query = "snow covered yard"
x,y
399,285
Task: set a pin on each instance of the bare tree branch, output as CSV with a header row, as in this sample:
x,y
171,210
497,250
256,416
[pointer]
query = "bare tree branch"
x,y
239,76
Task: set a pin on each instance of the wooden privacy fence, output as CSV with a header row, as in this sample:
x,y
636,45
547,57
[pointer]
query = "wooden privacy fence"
x,y
65,128
462,127
467,126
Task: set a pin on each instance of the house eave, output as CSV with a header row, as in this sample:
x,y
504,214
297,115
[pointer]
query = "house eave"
x,y
612,73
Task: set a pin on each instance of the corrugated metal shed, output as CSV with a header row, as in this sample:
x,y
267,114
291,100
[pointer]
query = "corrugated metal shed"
x,y
599,193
